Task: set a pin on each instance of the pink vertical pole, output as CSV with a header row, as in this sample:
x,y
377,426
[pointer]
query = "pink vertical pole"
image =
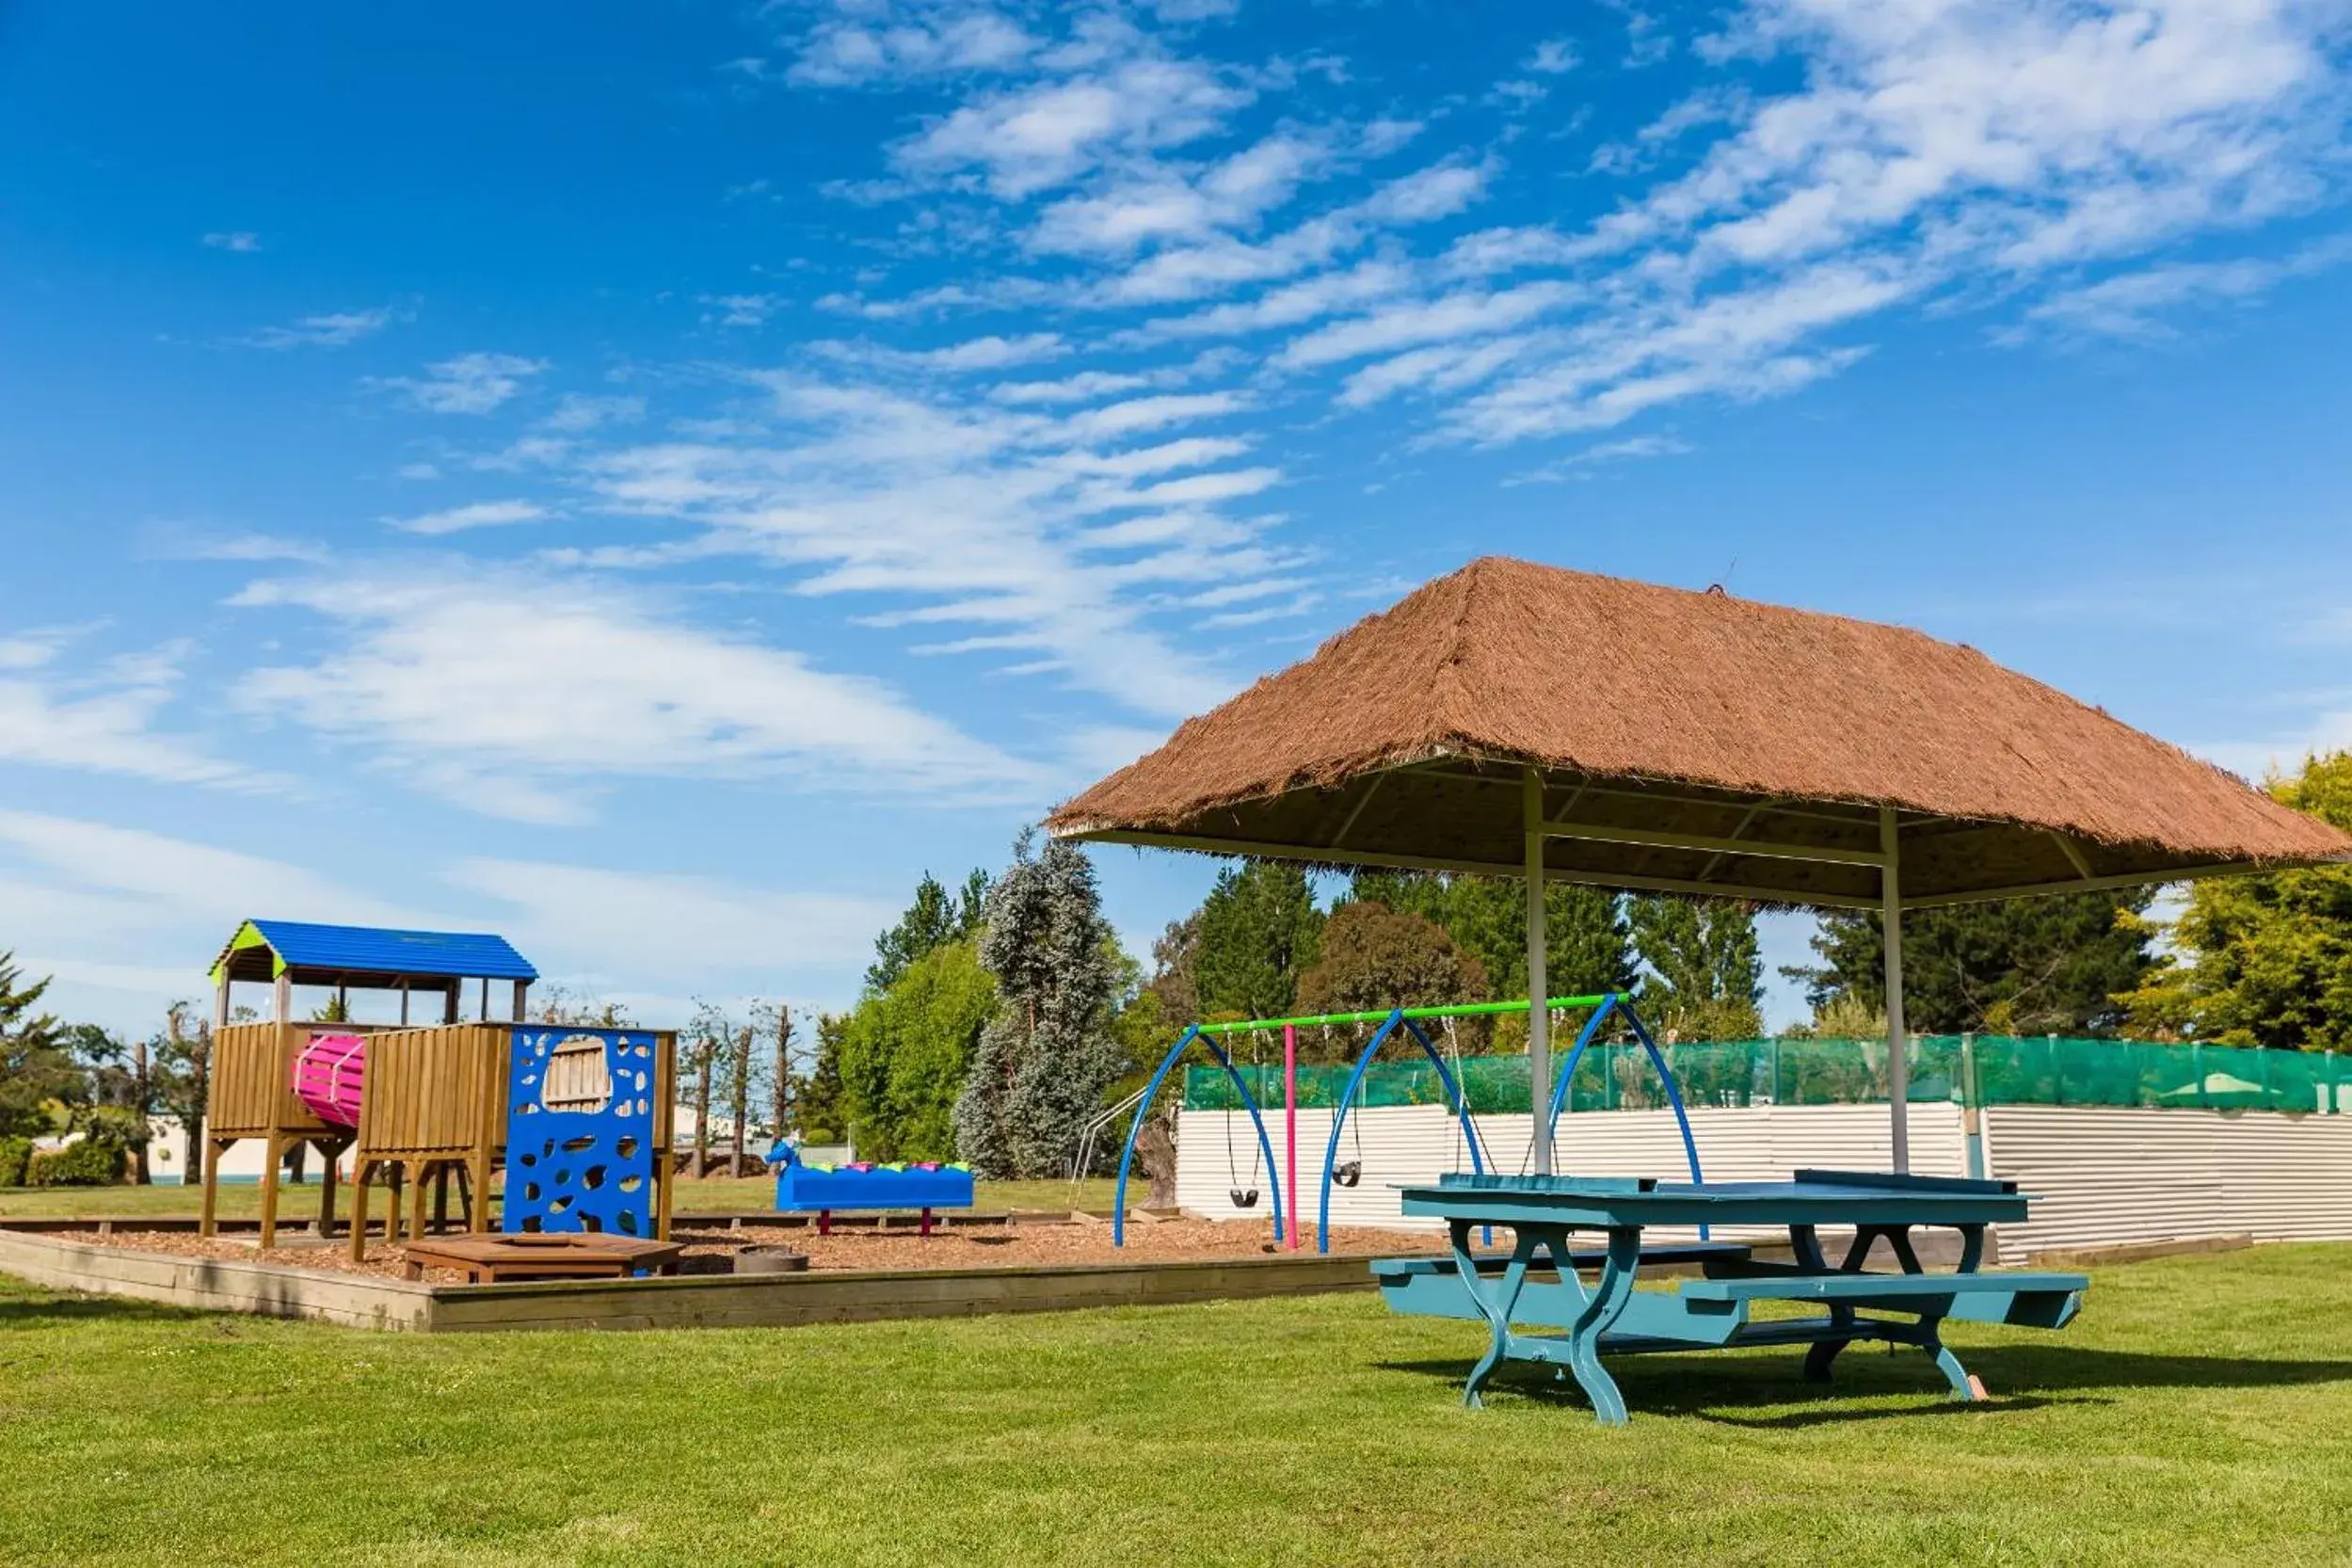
x,y
1290,1125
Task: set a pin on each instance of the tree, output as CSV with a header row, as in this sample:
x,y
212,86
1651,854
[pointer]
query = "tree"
x,y
1705,980
1585,947
182,1060
2264,960
1040,1067
118,1100
1258,934
2027,966
1374,958
1176,963
820,1098
935,918
37,1068
905,1053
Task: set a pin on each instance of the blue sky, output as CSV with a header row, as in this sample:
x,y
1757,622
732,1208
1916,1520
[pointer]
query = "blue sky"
x,y
654,479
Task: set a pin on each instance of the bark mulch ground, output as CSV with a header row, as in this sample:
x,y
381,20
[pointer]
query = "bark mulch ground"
x,y
1022,1243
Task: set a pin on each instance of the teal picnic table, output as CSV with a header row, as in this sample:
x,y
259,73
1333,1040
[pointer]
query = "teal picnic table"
x,y
1538,1282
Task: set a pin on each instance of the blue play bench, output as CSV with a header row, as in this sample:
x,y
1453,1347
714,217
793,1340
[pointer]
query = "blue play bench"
x,y
1611,1318
819,1190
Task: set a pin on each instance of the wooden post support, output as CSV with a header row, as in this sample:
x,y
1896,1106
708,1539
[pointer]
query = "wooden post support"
x,y
521,986
360,1171
269,1190
327,1155
418,1182
211,1185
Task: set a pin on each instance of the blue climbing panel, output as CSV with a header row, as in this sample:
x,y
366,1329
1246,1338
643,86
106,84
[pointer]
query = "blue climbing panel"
x,y
580,1131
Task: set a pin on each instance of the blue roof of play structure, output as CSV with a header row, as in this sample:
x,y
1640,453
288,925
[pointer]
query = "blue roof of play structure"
x,y
360,948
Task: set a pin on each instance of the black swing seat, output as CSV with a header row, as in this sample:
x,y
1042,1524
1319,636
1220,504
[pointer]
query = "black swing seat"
x,y
1243,1198
1348,1173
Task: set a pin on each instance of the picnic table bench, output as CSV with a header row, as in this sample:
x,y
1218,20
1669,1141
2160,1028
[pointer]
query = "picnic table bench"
x,y
1611,1317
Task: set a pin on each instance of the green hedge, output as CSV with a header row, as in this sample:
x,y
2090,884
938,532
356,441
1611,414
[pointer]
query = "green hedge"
x,y
83,1163
14,1154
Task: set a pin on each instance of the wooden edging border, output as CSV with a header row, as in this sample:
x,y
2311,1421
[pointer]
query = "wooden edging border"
x,y
694,1300
2137,1252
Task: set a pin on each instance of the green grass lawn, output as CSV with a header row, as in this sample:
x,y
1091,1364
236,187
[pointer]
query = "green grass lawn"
x,y
2199,1412
300,1204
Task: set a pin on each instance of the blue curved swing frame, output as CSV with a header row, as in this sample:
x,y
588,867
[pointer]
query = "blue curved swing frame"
x,y
1616,1002
1143,1110
1347,1100
1613,1003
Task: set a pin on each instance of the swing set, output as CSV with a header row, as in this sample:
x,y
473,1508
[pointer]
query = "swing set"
x,y
1411,1020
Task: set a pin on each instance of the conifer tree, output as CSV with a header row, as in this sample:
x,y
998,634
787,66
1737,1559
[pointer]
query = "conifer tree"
x,y
1040,1067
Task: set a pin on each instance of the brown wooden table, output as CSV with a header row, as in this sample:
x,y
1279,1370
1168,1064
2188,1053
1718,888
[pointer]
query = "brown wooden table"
x,y
488,1260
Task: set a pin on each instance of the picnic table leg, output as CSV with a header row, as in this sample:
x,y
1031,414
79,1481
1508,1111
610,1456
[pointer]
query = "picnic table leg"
x,y
1497,1311
1602,1309
1964,1386
1806,1243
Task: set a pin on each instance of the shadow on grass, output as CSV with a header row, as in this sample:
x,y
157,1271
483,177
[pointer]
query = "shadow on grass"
x,y
46,1311
2020,1377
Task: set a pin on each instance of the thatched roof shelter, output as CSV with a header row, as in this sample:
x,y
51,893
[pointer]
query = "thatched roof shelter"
x,y
1513,715
1677,729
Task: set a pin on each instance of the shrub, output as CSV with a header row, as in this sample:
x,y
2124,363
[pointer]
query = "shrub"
x,y
14,1153
83,1163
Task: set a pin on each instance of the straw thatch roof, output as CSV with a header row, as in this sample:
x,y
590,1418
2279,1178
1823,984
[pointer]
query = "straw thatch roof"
x,y
1672,724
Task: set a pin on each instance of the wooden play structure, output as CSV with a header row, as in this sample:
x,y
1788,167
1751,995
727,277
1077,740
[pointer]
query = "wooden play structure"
x,y
424,1107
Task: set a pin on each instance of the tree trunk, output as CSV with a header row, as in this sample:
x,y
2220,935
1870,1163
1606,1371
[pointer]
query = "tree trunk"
x,y
140,1098
702,1107
739,1085
783,1066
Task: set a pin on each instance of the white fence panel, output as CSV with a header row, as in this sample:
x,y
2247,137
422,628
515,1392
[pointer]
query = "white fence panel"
x,y
2104,1175
1416,1142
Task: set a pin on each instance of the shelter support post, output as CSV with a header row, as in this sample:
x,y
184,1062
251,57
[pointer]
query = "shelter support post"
x,y
1539,1014
1897,1039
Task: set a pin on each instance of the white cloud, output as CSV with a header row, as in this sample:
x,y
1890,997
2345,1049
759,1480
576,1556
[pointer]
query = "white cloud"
x,y
481,514
1084,387
508,692
476,383
241,241
328,329
1116,94
104,721
178,544
975,354
738,309
1577,465
1458,315
578,412
1552,57
848,51
985,518
2133,304
630,926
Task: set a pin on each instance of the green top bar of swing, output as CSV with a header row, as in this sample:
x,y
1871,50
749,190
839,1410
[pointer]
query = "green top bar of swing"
x,y
1458,1010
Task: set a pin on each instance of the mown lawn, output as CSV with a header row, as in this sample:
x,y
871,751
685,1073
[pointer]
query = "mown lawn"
x,y
300,1204
2199,1412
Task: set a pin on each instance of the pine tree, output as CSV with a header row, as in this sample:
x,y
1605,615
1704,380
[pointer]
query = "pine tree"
x,y
1706,974
2029,965
36,1065
1258,931
935,918
1040,1067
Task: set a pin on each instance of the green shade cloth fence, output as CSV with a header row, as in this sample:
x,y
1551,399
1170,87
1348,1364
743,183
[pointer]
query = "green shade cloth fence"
x,y
1984,1069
